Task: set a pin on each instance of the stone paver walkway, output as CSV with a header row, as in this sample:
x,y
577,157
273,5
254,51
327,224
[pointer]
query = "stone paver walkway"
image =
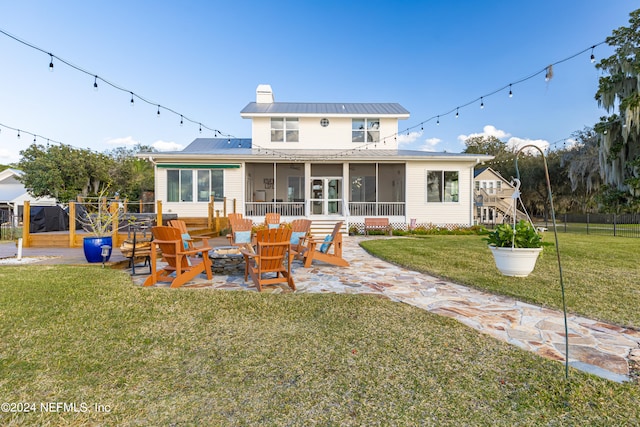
x,y
599,348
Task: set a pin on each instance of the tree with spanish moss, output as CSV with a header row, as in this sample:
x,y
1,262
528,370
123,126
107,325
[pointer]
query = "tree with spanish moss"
x,y
619,133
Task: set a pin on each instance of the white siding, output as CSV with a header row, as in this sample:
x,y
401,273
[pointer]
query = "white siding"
x,y
439,213
336,136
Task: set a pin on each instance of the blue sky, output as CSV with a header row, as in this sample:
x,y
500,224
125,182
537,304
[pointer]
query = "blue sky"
x,y
204,59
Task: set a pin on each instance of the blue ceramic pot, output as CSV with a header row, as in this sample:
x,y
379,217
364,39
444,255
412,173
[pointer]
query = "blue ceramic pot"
x,y
93,248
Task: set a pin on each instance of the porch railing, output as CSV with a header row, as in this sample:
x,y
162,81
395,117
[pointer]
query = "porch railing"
x,y
377,208
283,208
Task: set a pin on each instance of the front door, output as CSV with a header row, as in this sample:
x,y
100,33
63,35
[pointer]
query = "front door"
x,y
326,196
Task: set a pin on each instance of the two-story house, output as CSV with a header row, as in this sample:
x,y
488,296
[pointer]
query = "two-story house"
x,y
494,198
323,161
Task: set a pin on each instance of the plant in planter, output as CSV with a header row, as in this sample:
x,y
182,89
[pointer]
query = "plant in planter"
x,y
516,248
98,220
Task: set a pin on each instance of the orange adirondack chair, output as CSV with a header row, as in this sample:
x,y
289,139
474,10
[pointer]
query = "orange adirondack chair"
x,y
170,242
186,237
240,232
300,232
266,265
272,220
329,251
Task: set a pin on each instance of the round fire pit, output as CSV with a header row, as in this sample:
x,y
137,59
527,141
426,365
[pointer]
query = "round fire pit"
x,y
226,260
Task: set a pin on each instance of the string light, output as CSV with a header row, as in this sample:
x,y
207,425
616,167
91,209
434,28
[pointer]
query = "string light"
x,y
510,92
547,70
181,120
113,85
132,101
438,122
593,57
18,133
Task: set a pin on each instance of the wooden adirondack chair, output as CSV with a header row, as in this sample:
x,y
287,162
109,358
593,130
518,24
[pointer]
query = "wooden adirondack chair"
x,y
186,237
266,265
329,249
172,247
272,220
233,217
300,232
240,232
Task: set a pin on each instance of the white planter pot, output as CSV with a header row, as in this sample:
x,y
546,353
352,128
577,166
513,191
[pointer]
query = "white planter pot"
x,y
518,262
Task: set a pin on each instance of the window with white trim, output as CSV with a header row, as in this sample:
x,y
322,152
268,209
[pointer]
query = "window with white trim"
x,y
285,129
187,185
442,186
368,127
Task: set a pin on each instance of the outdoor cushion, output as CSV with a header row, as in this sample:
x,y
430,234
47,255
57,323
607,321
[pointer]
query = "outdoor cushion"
x,y
325,246
185,240
296,236
243,237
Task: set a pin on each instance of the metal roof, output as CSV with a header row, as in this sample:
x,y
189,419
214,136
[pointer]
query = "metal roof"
x,y
326,109
240,149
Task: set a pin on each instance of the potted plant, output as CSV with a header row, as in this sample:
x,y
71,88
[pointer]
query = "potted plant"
x,y
98,220
516,248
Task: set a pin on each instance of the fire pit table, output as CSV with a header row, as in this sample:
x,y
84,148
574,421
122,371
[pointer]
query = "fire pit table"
x,y
226,260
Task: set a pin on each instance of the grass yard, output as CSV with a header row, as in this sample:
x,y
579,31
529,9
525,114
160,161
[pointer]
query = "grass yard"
x,y
86,335
601,273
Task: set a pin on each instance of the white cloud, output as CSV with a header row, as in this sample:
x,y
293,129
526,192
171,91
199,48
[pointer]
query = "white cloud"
x,y
488,130
513,143
119,142
517,143
167,146
5,154
404,139
430,144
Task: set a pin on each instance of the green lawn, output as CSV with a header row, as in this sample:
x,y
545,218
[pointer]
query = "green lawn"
x,y
86,335
601,274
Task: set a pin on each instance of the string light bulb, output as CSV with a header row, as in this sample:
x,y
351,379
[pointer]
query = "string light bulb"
x,y
18,133
510,92
95,83
457,114
158,113
132,101
51,63
481,103
438,122
181,120
593,57
200,127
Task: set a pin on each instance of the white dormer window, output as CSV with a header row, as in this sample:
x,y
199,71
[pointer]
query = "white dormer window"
x,y
370,127
284,129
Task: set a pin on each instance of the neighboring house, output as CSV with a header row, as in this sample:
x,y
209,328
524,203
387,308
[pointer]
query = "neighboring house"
x,y
493,198
323,161
13,194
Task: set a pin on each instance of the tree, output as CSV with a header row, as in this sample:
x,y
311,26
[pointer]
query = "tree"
x,y
619,134
581,162
64,172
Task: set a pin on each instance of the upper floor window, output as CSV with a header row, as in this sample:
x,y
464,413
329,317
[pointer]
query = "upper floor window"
x,y
368,127
442,186
284,129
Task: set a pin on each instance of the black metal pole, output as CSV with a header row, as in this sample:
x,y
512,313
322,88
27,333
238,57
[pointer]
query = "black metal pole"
x,y
555,233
